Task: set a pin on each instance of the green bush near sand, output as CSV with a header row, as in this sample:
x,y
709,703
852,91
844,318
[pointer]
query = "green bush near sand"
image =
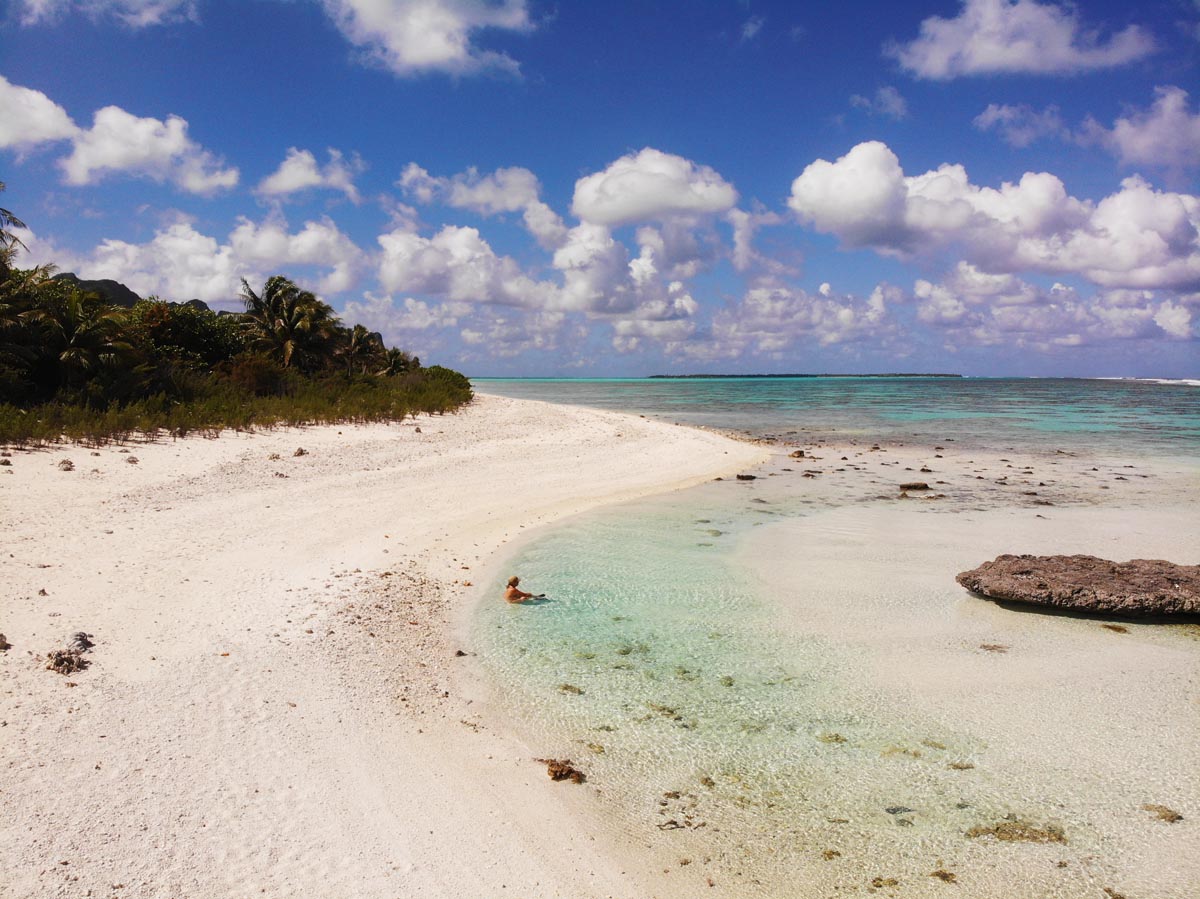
x,y
74,367
323,401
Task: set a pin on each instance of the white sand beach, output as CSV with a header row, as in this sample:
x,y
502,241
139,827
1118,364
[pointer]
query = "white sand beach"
x,y
256,719
276,704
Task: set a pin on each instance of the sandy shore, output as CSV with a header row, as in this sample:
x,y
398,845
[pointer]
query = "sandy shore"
x,y
891,718
1088,724
272,706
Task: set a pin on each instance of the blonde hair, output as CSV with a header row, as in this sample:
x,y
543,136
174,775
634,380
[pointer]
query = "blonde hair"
x,y
513,581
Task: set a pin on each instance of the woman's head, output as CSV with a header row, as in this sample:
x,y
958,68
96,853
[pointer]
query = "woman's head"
x,y
513,581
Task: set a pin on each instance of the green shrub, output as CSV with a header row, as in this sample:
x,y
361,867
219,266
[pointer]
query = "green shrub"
x,y
452,379
259,375
224,402
73,367
183,332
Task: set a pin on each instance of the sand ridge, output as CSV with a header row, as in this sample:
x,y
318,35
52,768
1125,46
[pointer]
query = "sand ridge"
x,y
257,718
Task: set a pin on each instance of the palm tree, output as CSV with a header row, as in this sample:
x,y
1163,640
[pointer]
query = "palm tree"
x,y
7,238
359,347
397,362
289,324
9,242
81,335
18,288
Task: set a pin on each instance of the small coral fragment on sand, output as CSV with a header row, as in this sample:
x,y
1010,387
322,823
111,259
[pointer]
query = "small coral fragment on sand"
x,y
944,876
1019,832
1163,813
66,661
562,769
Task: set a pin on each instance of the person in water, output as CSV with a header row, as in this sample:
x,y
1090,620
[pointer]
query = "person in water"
x,y
513,593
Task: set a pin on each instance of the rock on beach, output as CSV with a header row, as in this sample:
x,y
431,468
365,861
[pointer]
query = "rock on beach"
x,y
1138,588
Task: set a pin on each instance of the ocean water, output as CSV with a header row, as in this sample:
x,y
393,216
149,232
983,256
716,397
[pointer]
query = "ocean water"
x,y
800,724
989,412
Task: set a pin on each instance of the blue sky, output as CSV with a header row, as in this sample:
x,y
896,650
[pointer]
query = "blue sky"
x,y
527,188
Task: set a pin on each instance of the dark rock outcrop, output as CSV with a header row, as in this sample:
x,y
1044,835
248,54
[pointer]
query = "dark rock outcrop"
x,y
1134,589
112,292
117,294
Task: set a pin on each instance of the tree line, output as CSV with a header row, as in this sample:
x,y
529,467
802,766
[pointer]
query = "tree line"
x,y
70,360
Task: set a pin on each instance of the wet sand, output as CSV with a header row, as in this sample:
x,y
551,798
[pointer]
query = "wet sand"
x,y
929,725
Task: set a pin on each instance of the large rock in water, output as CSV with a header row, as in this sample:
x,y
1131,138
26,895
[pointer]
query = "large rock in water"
x,y
1134,589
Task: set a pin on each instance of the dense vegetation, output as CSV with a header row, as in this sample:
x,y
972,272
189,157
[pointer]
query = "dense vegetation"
x,y
76,367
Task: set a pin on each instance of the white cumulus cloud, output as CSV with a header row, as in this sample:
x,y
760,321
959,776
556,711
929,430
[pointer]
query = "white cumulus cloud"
x,y
861,197
118,141
1010,36
512,189
269,245
1005,310
770,319
745,226
181,263
1167,135
29,118
415,36
178,263
300,171
457,264
1136,237
651,185
595,270
1175,320
632,335
887,102
162,151
1021,125
515,333
396,320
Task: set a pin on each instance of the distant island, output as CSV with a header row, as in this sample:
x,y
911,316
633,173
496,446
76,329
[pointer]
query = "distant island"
x,y
884,375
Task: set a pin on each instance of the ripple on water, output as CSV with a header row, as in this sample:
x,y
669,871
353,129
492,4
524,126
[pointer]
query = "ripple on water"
x,y
659,667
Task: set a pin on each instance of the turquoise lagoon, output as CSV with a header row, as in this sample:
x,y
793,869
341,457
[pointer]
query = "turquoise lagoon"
x,y
784,754
990,412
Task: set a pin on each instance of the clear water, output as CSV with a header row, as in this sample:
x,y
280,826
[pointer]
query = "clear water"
x,y
661,663
990,412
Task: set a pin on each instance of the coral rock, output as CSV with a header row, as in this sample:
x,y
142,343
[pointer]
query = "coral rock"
x,y
1141,587
562,769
